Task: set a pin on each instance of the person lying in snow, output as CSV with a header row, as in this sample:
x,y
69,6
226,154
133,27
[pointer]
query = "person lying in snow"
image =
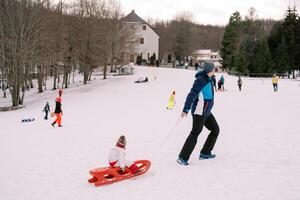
x,y
142,80
116,157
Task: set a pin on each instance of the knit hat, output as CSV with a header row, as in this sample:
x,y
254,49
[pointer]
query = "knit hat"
x,y
121,141
60,92
208,67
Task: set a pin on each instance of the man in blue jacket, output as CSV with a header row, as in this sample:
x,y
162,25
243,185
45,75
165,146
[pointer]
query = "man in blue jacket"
x,y
200,101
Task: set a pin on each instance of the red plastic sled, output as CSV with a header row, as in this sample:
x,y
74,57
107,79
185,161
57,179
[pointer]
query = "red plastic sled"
x,y
108,175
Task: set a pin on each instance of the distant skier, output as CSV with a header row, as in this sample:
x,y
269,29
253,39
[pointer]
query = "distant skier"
x,y
58,112
171,102
202,115
275,82
219,85
240,82
46,110
214,80
222,82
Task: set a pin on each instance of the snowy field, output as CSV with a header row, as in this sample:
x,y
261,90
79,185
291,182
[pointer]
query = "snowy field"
x,y
257,149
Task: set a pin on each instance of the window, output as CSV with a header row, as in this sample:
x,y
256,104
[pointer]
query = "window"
x,y
141,40
144,27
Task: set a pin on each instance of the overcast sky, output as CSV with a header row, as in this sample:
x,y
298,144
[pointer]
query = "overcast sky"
x,y
216,12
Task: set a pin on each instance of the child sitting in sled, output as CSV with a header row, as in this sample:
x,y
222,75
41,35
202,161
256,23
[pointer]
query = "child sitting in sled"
x,y
116,157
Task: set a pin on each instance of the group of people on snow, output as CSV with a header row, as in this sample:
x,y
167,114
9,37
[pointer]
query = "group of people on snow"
x,y
57,111
199,101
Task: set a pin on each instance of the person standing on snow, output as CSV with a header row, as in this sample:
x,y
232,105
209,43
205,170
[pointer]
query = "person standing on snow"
x,y
222,82
58,112
275,82
214,80
46,110
171,102
240,83
203,91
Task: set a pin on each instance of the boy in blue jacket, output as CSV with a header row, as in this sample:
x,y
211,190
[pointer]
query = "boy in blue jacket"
x,y
200,101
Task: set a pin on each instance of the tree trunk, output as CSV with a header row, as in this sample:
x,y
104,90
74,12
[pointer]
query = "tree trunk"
x,y
104,71
85,77
65,77
23,95
14,91
54,78
40,79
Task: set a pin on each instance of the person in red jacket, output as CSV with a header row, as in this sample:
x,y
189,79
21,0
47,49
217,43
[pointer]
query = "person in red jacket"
x,y
58,112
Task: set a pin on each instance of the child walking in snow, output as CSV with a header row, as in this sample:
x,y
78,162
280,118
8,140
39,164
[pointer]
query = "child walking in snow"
x,y
46,110
275,82
171,102
116,157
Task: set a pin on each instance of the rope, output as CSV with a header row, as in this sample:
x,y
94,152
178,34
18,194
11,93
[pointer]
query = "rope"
x,y
166,138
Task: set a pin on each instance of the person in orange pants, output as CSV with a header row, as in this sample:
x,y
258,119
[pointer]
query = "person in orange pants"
x,y
58,112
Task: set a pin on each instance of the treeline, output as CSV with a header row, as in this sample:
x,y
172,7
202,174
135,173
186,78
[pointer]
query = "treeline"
x,y
262,48
39,39
180,37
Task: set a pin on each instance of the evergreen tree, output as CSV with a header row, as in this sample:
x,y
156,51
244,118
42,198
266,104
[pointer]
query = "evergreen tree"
x,y
230,42
278,49
290,27
262,58
297,44
241,64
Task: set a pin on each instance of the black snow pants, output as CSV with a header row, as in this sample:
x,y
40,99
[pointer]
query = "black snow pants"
x,y
198,122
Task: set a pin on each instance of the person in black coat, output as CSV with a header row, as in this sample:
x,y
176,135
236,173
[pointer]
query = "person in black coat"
x,y
46,110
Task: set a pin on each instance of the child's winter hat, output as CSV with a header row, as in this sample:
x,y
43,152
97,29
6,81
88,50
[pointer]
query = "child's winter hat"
x,y
121,141
208,67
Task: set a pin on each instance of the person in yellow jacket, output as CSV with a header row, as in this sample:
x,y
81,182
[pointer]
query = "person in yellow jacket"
x,y
171,102
275,82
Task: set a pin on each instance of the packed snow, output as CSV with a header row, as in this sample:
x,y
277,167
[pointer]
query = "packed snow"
x,y
257,149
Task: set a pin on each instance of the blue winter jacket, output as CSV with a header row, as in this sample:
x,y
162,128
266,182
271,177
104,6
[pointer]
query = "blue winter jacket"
x,y
202,86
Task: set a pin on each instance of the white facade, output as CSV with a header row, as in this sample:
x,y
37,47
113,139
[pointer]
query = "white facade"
x,y
203,55
146,38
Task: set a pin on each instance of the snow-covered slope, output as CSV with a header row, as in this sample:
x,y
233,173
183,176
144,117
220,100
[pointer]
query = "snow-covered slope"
x,y
257,149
